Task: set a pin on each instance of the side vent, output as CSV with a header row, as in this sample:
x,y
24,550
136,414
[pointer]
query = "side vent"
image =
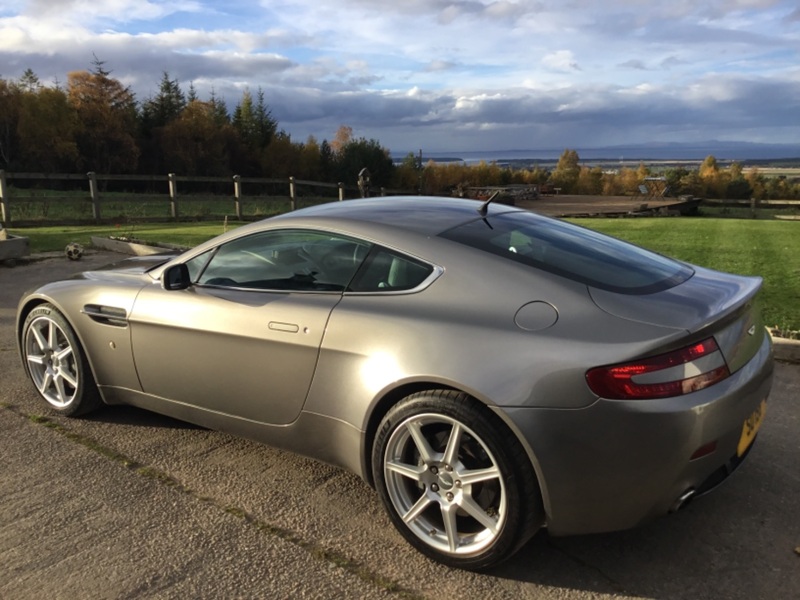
x,y
107,315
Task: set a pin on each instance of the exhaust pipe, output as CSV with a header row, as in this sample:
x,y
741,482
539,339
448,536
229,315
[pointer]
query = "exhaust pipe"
x,y
682,500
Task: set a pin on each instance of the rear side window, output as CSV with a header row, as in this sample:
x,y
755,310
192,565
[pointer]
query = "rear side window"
x,y
579,254
387,271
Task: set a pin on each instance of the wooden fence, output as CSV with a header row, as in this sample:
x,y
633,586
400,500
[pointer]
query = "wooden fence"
x,y
95,197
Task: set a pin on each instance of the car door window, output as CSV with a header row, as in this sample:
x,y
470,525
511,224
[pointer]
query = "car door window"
x,y
388,271
286,260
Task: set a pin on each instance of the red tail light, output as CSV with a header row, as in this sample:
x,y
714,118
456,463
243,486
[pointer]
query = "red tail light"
x,y
673,374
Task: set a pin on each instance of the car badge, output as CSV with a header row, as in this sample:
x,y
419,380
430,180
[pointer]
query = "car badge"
x,y
752,330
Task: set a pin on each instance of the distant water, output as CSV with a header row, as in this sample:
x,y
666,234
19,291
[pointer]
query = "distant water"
x,y
676,152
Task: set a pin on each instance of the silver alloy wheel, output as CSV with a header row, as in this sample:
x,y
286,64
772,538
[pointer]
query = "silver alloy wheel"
x,y
51,361
445,484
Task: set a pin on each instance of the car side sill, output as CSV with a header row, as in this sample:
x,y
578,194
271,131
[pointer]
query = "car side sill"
x,y
316,436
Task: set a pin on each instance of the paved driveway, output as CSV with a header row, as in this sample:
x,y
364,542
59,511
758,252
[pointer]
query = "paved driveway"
x,y
128,504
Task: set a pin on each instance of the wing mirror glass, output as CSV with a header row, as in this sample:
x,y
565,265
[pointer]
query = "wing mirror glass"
x,y
176,277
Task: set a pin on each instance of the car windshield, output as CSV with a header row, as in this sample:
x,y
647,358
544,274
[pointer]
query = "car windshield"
x,y
570,251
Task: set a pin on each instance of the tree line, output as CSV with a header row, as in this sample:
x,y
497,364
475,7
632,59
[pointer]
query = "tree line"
x,y
96,123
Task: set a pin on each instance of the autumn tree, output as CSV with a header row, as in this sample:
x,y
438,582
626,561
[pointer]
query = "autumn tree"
x,y
567,171
196,144
712,178
37,126
46,130
612,185
107,115
280,158
709,167
691,183
777,188
310,162
590,181
757,182
408,174
485,173
537,175
343,137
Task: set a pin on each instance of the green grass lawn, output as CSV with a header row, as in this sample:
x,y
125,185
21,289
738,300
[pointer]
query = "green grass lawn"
x,y
770,249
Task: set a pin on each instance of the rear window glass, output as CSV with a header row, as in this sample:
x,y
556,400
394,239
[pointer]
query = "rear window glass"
x,y
570,251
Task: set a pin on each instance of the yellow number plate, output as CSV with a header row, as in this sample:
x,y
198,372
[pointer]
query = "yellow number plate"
x,y
750,428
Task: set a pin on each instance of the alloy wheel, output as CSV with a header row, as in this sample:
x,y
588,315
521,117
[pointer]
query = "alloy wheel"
x,y
445,484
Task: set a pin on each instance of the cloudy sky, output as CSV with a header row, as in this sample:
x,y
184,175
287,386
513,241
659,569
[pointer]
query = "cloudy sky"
x,y
447,75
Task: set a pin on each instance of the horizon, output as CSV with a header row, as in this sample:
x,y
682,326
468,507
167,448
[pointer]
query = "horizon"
x,y
690,153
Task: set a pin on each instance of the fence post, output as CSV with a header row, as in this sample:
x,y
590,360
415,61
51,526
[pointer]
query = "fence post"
x,y
292,194
383,191
94,194
237,196
341,191
173,196
5,212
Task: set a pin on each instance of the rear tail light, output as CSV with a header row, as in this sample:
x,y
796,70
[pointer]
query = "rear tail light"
x,y
673,374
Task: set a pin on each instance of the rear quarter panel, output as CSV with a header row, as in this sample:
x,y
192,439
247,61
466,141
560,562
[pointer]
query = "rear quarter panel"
x,y
461,333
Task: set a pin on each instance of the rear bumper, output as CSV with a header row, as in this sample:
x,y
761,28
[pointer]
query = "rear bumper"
x,y
614,464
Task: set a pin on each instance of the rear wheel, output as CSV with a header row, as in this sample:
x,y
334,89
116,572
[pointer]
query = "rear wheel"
x,y
454,483
56,363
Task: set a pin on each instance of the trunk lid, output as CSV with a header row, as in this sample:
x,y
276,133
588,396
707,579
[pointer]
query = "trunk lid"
x,y
708,303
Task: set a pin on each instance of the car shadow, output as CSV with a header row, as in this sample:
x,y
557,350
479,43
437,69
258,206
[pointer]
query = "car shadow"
x,y
719,546
133,416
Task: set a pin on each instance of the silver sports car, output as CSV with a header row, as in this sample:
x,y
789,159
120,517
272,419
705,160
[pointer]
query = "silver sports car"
x,y
488,370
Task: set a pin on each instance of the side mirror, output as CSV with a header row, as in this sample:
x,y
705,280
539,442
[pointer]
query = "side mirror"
x,y
176,277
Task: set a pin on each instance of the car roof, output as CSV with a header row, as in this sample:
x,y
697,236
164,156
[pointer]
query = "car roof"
x,y
426,215
388,220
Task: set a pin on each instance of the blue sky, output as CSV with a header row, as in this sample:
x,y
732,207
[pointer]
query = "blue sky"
x,y
446,75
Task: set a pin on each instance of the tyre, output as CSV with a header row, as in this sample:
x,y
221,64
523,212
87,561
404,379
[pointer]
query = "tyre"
x,y
57,364
456,485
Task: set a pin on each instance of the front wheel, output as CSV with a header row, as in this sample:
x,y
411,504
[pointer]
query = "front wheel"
x,y
56,363
455,484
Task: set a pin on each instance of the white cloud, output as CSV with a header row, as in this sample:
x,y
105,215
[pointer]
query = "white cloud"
x,y
114,11
560,60
494,72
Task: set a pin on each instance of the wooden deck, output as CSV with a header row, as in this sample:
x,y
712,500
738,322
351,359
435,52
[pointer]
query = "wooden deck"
x,y
570,206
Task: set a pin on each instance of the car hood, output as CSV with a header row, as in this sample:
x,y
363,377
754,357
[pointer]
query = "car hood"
x,y
703,299
130,267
